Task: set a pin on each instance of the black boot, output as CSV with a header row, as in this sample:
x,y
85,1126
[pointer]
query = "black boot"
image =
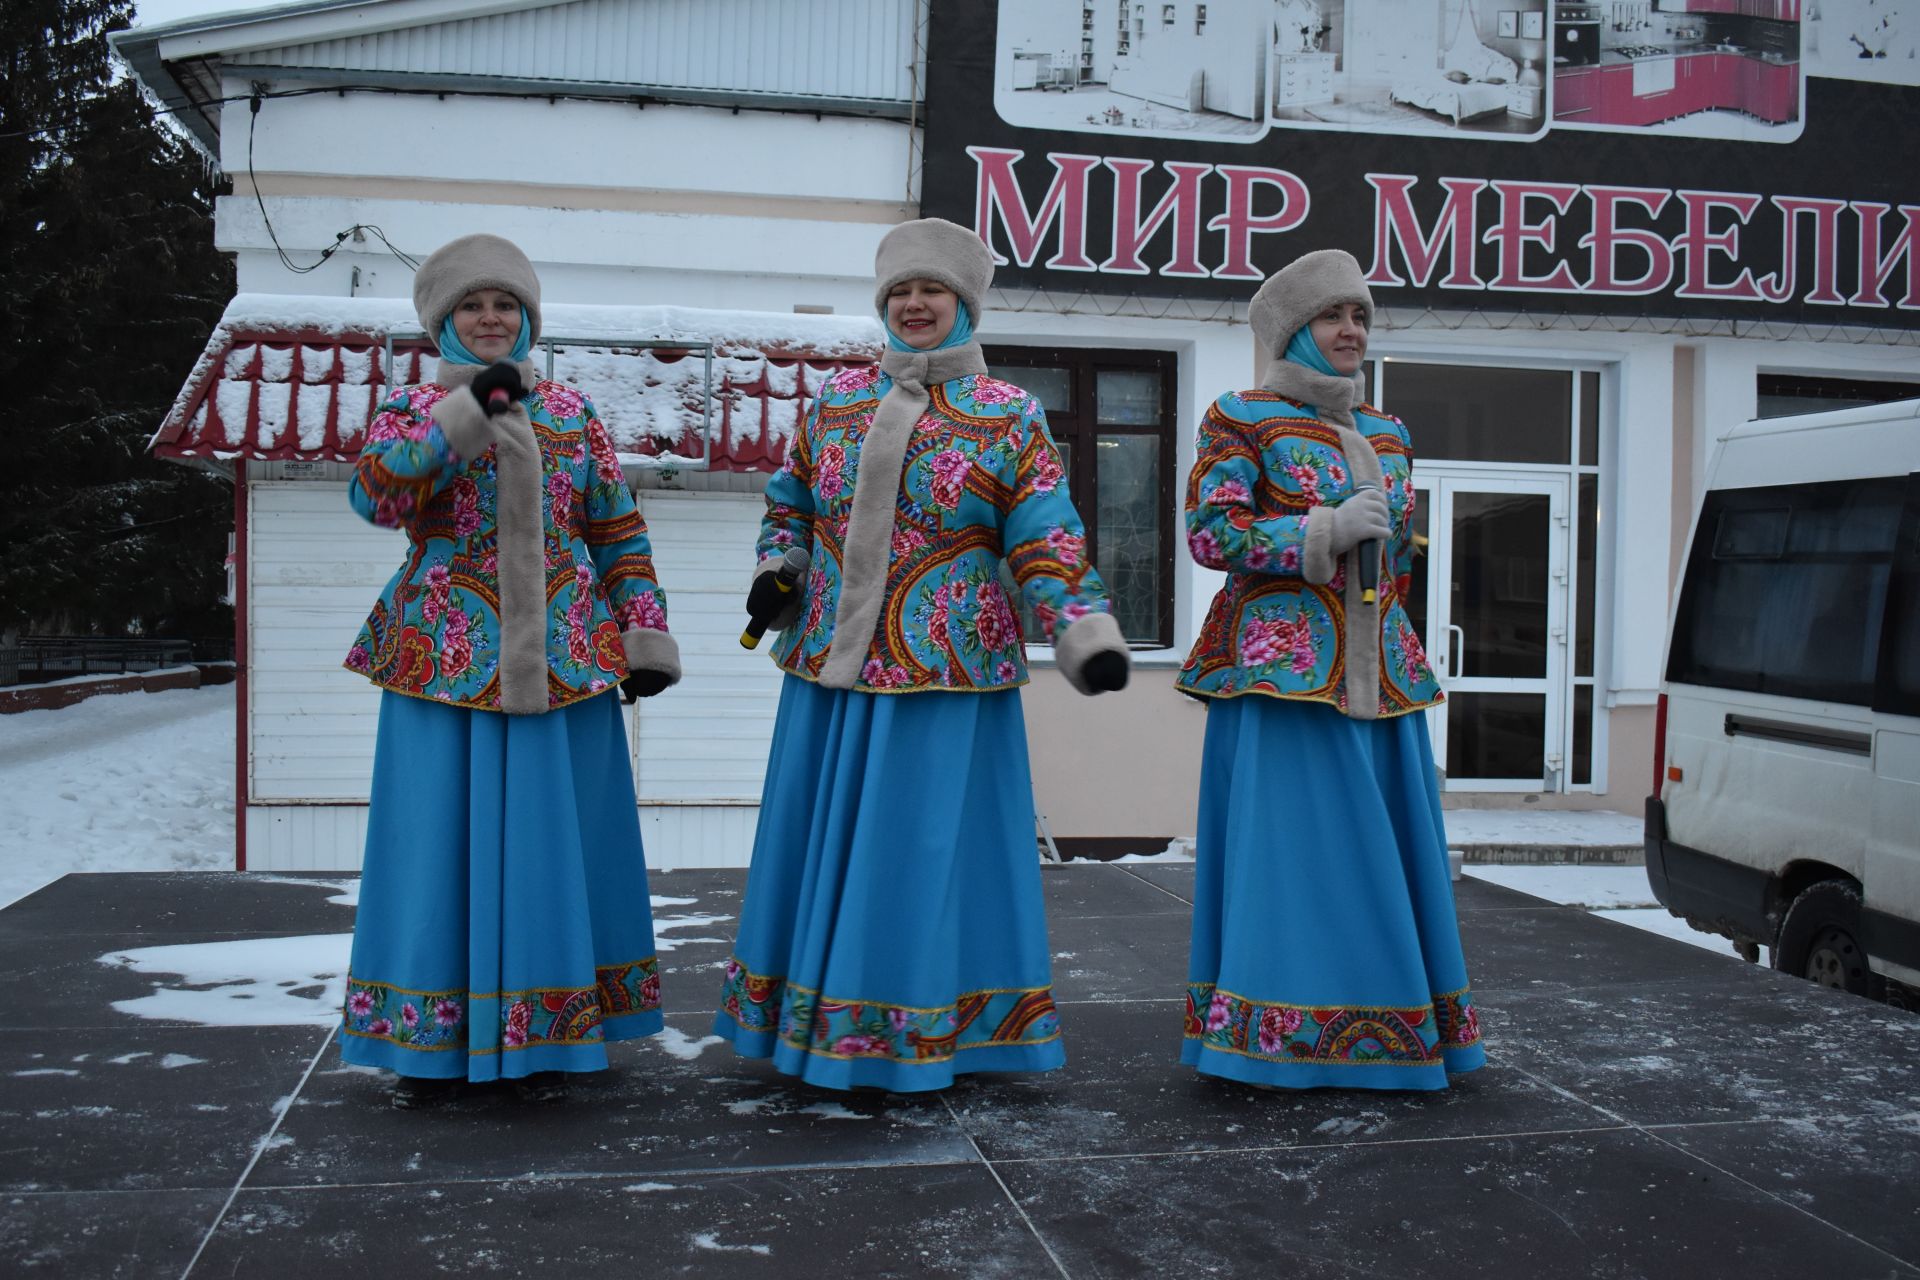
x,y
412,1093
542,1086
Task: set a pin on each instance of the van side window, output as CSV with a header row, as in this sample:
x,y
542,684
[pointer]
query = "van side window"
x,y
1786,587
1899,690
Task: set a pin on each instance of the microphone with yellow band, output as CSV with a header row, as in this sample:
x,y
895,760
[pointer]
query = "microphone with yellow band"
x,y
770,595
1368,561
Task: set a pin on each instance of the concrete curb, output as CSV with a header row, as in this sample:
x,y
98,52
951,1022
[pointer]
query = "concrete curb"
x,y
65,693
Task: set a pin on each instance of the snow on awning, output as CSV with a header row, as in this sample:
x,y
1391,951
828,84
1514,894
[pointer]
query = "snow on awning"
x,y
293,377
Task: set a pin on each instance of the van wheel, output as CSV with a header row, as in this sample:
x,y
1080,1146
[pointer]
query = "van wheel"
x,y
1820,938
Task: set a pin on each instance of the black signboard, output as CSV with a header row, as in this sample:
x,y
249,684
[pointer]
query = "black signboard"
x,y
1697,158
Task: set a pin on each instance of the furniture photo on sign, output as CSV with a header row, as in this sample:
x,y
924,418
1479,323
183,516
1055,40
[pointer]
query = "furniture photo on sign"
x,y
1473,82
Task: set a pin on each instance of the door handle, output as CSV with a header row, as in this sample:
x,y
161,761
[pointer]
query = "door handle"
x,y
1456,665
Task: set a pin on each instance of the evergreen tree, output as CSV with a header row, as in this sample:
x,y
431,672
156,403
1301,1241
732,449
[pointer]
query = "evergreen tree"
x,y
109,286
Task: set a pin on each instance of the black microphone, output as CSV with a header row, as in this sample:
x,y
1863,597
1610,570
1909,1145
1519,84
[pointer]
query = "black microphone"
x,y
793,566
502,386
1369,558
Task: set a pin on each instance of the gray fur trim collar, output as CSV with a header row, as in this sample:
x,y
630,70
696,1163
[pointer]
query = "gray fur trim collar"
x,y
1333,399
1332,395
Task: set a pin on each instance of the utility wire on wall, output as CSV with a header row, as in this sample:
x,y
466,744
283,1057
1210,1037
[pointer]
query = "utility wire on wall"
x,y
253,118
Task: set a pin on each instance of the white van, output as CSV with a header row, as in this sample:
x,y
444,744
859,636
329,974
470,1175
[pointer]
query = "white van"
x,y
1786,805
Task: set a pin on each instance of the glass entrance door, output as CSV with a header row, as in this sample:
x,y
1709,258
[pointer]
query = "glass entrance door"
x,y
1496,632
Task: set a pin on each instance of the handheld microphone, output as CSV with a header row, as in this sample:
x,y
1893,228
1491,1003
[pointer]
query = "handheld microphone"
x,y
786,579
1369,559
498,401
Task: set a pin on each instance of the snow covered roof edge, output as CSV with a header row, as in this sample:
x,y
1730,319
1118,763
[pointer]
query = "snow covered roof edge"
x,y
288,375
764,331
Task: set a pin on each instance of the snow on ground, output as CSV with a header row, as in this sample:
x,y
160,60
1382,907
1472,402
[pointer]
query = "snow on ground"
x,y
121,782
1598,887
1620,894
144,782
1542,826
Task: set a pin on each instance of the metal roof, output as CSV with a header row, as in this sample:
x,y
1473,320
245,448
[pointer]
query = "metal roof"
x,y
856,56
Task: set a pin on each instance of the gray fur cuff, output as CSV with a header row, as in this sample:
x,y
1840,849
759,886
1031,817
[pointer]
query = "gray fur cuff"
x,y
650,650
790,613
468,428
1318,564
1087,635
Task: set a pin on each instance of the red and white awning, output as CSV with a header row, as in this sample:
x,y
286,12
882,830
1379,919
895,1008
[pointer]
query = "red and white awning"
x,y
290,377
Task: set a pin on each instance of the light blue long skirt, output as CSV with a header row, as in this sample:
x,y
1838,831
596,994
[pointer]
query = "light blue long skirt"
x,y
1326,950
893,933
504,924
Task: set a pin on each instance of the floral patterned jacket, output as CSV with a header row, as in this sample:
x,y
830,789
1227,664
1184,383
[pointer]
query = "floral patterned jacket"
x,y
983,482
436,630
1263,462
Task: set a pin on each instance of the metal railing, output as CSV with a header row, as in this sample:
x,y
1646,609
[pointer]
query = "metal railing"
x,y
549,343
36,659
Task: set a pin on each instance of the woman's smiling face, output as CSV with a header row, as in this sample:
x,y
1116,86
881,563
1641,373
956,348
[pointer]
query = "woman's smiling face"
x,y
1341,334
921,312
487,321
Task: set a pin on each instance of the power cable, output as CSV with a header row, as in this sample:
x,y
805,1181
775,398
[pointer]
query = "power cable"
x,y
253,118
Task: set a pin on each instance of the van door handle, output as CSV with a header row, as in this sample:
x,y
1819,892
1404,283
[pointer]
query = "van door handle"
x,y
1858,744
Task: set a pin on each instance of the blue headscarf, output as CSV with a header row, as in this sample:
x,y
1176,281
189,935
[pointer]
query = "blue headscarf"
x,y
455,351
962,330
1303,350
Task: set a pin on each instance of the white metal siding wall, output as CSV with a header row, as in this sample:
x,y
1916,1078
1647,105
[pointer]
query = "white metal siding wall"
x,y
707,738
847,49
314,571
700,750
306,837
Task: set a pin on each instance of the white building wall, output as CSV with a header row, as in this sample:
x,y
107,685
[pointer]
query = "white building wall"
x,y
848,49
770,156
762,211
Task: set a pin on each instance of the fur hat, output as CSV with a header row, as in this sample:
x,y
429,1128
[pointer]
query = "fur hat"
x,y
1301,290
933,249
458,267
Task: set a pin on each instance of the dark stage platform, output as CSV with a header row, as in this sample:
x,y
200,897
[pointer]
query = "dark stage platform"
x,y
1650,1109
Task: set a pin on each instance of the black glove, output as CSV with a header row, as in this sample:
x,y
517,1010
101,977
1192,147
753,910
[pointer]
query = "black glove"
x,y
642,684
501,375
765,599
1106,672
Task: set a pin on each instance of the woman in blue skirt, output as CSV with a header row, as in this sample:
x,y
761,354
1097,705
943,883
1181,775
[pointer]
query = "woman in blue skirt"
x,y
504,929
892,935
1325,947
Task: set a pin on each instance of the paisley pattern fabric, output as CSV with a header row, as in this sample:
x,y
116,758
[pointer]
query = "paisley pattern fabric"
x,y
1334,1034
435,630
438,1020
983,483
1263,463
838,1027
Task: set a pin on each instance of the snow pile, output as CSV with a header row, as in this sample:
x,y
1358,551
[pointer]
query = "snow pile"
x,y
245,982
1587,827
1620,894
125,782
